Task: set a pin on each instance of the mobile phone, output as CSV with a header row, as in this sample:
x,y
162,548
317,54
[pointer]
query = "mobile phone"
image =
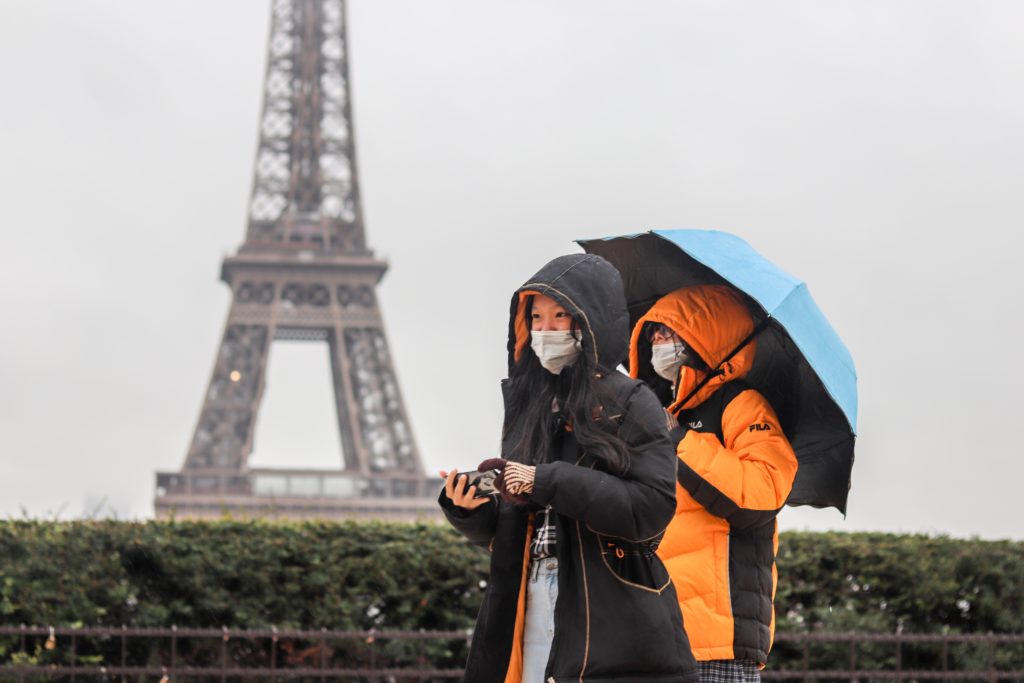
x,y
483,481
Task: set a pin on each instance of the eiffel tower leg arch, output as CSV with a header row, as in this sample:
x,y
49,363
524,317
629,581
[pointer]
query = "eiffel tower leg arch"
x,y
383,425
223,438
223,435
381,473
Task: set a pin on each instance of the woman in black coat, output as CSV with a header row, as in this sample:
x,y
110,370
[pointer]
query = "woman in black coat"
x,y
576,592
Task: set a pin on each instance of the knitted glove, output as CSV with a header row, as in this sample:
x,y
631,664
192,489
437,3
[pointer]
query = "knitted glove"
x,y
515,483
519,478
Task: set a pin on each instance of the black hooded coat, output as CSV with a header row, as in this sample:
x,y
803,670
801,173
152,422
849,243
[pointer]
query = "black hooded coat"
x,y
617,619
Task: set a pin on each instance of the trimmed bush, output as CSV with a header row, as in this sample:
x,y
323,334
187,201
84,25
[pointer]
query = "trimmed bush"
x,y
363,575
360,575
238,574
887,583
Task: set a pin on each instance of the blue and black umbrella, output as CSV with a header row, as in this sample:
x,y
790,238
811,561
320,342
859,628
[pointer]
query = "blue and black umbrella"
x,y
801,366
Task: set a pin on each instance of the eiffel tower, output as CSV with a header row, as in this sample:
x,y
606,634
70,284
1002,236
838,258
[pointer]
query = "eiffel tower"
x,y
304,273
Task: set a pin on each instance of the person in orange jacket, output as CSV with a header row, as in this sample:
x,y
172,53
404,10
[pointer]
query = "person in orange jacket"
x,y
736,469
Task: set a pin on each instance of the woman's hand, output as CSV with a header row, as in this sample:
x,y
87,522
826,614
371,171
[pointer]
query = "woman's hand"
x,y
455,488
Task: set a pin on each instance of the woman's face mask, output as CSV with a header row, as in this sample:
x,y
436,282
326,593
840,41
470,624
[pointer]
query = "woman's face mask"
x,y
667,358
556,349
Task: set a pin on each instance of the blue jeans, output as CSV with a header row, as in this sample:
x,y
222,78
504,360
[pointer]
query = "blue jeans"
x,y
541,595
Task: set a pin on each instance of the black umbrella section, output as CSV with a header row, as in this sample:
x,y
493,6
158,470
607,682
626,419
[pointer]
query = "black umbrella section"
x,y
814,424
818,430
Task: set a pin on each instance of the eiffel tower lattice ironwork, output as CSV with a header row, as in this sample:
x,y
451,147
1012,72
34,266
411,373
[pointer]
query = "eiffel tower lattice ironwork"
x,y
304,273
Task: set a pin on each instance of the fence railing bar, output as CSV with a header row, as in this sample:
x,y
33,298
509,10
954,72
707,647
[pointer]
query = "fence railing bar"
x,y
233,672
869,674
253,634
800,637
831,674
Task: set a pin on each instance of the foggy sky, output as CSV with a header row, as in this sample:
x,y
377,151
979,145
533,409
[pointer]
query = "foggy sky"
x,y
872,148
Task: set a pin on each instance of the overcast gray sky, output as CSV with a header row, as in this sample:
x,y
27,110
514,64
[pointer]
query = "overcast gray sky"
x,y
872,147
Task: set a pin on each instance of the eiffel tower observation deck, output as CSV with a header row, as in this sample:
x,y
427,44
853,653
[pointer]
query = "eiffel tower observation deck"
x,y
304,273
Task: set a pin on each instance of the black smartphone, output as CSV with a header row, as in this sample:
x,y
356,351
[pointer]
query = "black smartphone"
x,y
483,481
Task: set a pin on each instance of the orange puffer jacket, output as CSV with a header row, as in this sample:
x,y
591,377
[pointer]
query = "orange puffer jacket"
x,y
736,469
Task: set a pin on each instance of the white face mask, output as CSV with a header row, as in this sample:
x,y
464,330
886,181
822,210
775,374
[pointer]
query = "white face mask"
x,y
557,349
667,358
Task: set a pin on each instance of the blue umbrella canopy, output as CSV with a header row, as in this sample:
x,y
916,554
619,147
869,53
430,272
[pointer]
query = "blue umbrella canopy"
x,y
801,366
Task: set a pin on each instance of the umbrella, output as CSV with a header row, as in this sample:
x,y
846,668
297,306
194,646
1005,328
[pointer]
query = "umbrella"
x,y
802,366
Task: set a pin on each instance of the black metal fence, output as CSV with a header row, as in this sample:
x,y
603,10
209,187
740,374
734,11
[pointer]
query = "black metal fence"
x,y
34,653
990,657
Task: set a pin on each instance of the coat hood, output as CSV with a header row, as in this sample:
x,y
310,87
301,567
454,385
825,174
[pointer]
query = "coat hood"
x,y
591,290
713,321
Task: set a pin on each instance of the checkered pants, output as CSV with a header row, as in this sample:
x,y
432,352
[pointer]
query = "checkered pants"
x,y
730,671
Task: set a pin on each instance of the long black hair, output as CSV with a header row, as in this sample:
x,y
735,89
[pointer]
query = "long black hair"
x,y
540,404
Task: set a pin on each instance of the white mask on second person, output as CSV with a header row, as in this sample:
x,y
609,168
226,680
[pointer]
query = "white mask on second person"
x,y
667,358
556,349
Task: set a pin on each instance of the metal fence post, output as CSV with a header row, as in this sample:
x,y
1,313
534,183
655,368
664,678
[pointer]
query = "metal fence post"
x,y
991,658
370,639
899,657
21,676
323,655
124,651
224,654
273,650
853,659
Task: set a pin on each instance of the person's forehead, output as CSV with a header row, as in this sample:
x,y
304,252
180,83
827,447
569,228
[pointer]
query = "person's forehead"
x,y
662,331
544,301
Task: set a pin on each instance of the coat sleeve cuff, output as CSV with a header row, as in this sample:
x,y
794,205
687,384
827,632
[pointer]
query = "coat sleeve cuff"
x,y
450,509
544,482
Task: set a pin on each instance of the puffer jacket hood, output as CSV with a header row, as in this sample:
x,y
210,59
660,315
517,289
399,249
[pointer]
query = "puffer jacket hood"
x,y
713,321
590,288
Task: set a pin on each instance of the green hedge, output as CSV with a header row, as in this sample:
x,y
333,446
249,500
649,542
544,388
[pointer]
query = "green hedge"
x,y
883,583
886,583
238,574
353,576
358,575
361,575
